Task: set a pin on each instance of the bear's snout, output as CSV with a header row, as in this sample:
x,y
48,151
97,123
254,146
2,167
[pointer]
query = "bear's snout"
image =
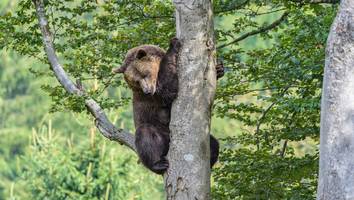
x,y
147,87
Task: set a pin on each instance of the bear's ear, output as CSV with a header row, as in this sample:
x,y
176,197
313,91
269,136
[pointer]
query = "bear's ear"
x,y
141,53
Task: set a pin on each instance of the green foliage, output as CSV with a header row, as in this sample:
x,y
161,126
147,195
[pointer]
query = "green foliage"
x,y
27,110
249,174
55,168
275,93
12,147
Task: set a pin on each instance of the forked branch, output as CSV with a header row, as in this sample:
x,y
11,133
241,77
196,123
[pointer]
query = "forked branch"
x,y
101,120
262,29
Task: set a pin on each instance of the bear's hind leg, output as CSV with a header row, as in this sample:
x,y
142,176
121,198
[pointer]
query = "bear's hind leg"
x,y
214,150
152,146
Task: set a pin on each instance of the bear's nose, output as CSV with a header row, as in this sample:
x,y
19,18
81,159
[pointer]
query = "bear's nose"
x,y
147,91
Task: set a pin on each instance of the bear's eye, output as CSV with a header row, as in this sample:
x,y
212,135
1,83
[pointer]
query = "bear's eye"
x,y
144,74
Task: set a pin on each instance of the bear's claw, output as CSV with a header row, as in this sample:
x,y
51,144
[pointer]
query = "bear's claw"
x,y
175,43
160,166
219,69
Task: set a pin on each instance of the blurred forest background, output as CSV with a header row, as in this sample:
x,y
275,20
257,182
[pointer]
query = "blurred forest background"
x,y
266,112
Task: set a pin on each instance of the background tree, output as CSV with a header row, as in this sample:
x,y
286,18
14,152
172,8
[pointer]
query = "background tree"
x,y
337,110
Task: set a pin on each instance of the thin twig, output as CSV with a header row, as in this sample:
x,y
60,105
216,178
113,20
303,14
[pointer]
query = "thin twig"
x,y
317,1
265,112
282,153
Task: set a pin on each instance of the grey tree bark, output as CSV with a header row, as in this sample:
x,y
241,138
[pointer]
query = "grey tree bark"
x,y
188,176
336,174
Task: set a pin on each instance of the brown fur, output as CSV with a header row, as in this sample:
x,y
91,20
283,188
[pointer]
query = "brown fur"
x,y
152,75
141,67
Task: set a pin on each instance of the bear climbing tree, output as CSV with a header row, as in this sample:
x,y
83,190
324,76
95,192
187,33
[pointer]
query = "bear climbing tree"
x,y
188,175
152,75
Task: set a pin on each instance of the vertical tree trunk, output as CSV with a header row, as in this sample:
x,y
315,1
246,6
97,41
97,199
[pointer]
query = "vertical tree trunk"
x,y
336,176
188,176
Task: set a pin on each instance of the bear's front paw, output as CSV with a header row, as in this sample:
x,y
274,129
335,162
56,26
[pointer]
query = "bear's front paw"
x,y
175,44
219,69
160,166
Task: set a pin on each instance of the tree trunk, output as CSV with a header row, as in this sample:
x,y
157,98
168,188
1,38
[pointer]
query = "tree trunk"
x,y
336,175
188,176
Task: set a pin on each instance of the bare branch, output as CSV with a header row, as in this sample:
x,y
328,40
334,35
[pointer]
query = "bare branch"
x,y
239,6
272,25
101,120
282,153
257,31
317,1
235,7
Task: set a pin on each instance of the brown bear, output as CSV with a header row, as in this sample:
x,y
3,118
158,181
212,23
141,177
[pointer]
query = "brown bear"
x,y
152,75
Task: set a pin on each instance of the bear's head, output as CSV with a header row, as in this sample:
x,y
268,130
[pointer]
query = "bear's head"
x,y
141,67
